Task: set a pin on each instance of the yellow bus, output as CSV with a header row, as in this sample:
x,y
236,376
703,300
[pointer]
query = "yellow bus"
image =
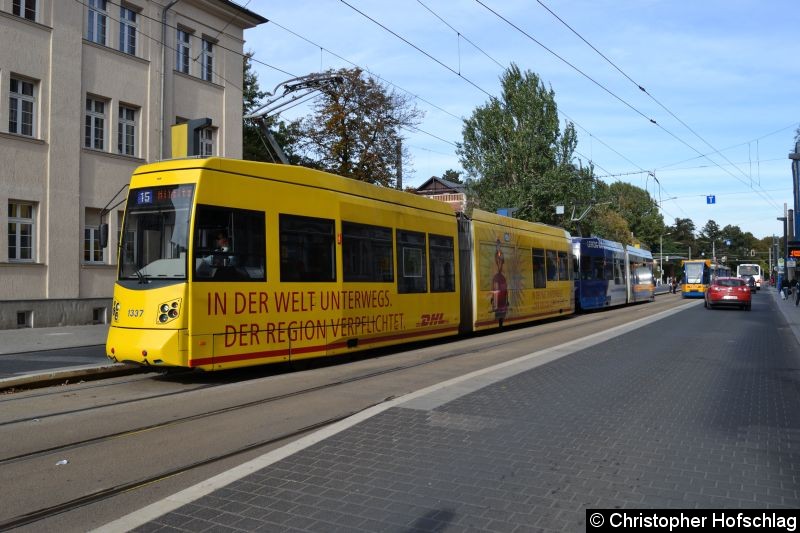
x,y
226,263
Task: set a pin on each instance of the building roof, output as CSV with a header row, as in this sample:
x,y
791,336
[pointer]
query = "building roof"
x,y
430,185
251,18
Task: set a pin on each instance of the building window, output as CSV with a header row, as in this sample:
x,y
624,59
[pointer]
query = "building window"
x,y
127,30
207,61
206,142
92,252
126,131
99,315
21,104
24,8
182,51
96,22
24,319
20,231
94,134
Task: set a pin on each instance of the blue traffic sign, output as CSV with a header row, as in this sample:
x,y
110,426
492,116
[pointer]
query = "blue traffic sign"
x,y
711,199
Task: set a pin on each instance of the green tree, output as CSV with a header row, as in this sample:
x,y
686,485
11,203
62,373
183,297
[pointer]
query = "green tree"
x,y
515,154
354,130
636,206
609,224
253,147
681,236
452,176
710,231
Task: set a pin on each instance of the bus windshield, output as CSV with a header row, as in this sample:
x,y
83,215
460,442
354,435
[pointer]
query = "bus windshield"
x,y
154,237
749,270
694,272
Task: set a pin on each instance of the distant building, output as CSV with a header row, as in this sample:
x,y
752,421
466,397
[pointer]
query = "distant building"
x,y
87,94
445,191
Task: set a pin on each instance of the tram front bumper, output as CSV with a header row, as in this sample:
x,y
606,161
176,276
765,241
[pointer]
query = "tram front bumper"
x,y
151,347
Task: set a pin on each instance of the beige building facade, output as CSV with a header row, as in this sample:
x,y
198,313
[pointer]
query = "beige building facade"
x,y
84,100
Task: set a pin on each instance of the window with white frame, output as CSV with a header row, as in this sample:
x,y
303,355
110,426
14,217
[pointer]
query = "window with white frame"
x,y
96,21
94,132
24,8
127,30
206,142
207,61
20,230
126,131
92,252
21,101
182,52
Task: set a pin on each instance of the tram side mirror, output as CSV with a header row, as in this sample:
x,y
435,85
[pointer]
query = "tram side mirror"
x,y
103,235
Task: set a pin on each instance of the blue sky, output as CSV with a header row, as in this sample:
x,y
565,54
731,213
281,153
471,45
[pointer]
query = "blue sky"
x,y
727,70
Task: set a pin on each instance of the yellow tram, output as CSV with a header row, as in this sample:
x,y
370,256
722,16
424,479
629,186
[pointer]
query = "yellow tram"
x,y
313,265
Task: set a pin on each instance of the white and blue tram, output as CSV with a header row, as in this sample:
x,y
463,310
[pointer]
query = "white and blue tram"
x,y
608,273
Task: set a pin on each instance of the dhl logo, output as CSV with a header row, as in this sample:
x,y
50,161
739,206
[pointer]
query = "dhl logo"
x,y
434,319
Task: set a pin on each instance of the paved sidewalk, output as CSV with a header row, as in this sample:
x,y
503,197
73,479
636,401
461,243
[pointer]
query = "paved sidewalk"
x,y
32,357
35,339
788,309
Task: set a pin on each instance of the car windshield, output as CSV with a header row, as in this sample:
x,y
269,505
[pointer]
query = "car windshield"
x,y
730,282
155,233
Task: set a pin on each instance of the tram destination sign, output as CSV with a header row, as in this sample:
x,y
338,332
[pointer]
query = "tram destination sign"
x,y
167,195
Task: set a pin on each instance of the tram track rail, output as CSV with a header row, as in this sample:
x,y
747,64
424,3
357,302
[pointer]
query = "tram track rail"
x,y
88,499
477,345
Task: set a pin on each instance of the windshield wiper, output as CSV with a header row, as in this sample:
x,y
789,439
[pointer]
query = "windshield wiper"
x,y
142,278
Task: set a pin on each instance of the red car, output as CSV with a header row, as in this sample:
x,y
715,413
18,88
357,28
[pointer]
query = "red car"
x,y
728,292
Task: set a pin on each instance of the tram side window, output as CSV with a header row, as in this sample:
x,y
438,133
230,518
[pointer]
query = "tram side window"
x,y
606,269
539,274
229,244
598,268
412,275
307,249
563,266
552,265
441,251
619,272
367,252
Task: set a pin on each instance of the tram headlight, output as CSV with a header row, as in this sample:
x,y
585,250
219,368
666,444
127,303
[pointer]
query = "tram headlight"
x,y
168,311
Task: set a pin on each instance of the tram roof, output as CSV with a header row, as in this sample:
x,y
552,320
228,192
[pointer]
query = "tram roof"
x,y
294,174
516,223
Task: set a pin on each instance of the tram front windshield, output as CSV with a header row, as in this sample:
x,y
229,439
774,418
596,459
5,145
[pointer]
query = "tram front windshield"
x,y
694,272
155,236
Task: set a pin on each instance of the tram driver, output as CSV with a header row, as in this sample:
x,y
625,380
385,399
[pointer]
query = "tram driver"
x,y
220,255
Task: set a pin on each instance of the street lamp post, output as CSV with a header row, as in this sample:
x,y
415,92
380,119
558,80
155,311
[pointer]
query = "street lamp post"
x,y
782,271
